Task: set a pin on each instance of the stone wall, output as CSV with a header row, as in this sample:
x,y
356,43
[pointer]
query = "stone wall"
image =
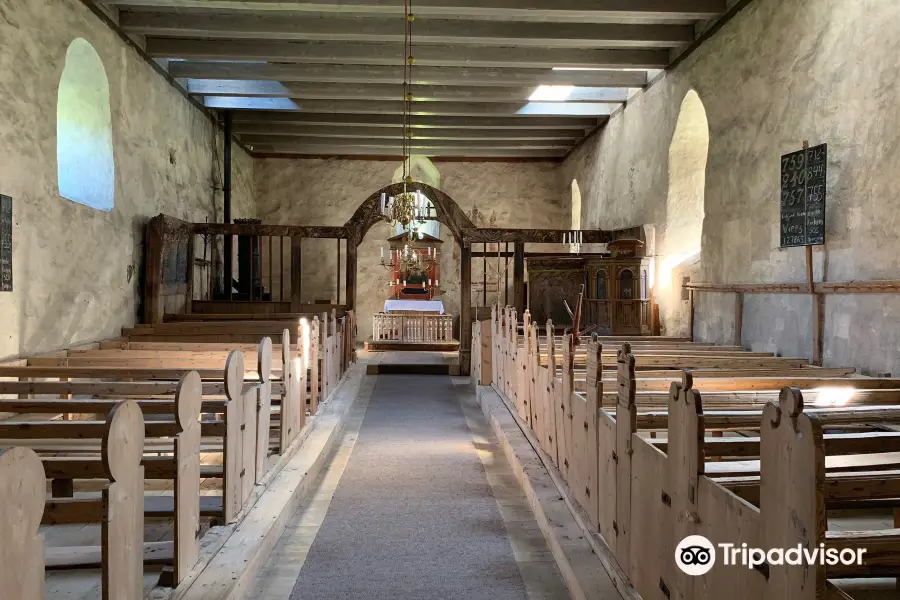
x,y
328,192
76,269
781,72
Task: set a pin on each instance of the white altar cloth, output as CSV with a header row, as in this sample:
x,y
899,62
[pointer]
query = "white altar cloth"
x,y
416,305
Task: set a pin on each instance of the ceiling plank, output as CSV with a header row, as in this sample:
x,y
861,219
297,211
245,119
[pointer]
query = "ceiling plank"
x,y
351,91
386,54
290,27
574,109
394,74
396,132
331,150
379,120
303,142
578,11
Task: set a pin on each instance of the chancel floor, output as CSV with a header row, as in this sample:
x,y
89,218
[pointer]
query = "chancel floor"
x,y
418,503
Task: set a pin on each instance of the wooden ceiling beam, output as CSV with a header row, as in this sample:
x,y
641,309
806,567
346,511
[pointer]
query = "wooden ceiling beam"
x,y
291,27
396,132
577,11
387,53
462,76
418,146
431,122
394,151
463,109
421,93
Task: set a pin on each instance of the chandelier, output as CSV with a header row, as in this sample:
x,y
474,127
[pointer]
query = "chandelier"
x,y
408,209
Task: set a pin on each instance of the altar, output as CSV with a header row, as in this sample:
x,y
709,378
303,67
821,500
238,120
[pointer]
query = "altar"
x,y
435,307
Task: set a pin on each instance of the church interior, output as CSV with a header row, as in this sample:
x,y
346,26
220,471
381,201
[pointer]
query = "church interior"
x,y
439,299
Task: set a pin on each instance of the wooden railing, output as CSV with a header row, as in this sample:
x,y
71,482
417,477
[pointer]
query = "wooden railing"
x,y
241,268
618,316
422,328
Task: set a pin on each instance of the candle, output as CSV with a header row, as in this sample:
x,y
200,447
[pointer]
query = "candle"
x,y
429,283
437,283
382,252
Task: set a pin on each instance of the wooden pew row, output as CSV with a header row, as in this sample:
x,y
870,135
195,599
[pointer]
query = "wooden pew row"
x,y
119,511
620,474
243,436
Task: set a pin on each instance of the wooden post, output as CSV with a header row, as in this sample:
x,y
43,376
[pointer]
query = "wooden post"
x,y
226,207
817,308
153,306
189,293
738,318
337,279
296,273
519,276
691,315
465,311
350,269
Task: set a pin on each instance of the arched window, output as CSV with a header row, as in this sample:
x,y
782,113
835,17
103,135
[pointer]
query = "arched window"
x,y
645,291
576,206
688,153
84,151
626,285
601,285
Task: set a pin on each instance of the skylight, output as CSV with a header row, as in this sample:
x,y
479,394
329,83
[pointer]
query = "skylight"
x,y
552,93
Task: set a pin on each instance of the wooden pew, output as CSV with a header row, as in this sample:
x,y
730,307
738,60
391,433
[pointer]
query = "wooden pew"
x,y
119,510
183,466
634,474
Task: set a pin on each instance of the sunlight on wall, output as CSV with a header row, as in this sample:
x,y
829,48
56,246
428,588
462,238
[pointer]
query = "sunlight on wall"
x,y
84,152
687,181
576,205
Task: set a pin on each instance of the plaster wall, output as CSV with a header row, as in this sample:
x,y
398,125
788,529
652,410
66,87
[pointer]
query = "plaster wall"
x,y
328,192
781,72
76,270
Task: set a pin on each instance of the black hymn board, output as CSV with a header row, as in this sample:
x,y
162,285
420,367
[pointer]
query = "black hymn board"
x,y
6,260
803,197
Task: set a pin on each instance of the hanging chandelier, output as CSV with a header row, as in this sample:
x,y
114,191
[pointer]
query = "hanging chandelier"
x,y
408,209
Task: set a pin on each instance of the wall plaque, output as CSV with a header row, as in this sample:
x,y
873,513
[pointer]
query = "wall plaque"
x,y
6,247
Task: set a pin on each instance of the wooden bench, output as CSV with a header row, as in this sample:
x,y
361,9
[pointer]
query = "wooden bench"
x,y
722,469
119,510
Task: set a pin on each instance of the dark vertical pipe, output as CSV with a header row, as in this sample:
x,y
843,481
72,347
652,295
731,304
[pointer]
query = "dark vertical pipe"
x,y
484,275
226,198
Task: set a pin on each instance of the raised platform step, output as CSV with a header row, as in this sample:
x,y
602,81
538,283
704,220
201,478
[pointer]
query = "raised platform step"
x,y
411,369
394,346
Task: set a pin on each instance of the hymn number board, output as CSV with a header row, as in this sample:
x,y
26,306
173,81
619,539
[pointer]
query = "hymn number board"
x,y
6,227
803,197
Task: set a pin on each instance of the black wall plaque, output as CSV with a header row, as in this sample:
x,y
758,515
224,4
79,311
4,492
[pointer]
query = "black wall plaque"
x,y
6,257
803,176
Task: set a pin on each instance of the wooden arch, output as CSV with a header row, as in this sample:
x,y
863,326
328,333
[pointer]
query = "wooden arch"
x,y
448,212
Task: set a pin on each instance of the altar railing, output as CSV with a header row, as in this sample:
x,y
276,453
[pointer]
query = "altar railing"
x,y
421,328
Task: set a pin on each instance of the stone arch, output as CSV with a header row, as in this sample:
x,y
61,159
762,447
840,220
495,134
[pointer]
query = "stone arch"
x,y
84,150
688,155
576,206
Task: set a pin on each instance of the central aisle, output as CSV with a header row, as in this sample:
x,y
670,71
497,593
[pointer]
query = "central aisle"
x,y
415,515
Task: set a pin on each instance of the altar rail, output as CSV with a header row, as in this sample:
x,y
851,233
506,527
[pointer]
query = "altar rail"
x,y
413,328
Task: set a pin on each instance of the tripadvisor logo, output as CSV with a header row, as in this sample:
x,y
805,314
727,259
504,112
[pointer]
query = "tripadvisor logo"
x,y
696,556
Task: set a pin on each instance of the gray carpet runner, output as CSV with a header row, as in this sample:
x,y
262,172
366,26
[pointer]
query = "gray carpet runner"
x,y
413,516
